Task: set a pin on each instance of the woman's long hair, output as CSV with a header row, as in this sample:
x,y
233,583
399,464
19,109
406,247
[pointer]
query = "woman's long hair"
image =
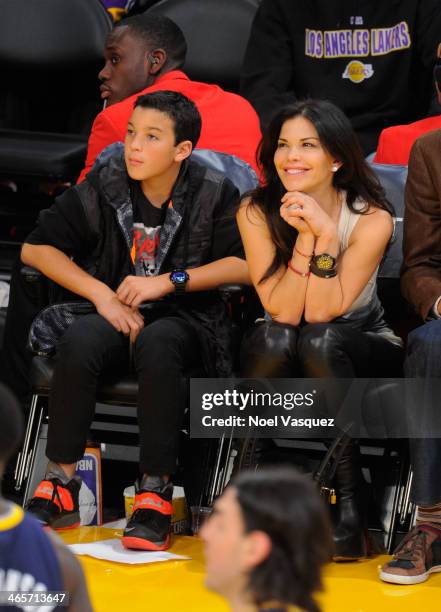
x,y
338,138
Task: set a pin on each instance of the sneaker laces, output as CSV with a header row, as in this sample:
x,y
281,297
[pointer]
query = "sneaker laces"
x,y
55,495
412,547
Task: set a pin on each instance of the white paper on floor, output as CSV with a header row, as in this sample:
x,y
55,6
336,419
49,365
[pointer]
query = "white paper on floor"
x,y
113,550
118,524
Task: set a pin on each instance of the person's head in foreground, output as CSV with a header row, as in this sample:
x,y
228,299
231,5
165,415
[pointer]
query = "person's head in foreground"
x,y
138,51
267,541
162,131
11,429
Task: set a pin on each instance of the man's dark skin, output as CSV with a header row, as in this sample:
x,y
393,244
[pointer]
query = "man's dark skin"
x,y
129,67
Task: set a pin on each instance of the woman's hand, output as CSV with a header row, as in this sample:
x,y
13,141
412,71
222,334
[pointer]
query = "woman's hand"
x,y
288,214
302,211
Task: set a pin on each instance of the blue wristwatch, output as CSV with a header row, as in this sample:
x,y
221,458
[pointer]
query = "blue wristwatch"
x,y
179,278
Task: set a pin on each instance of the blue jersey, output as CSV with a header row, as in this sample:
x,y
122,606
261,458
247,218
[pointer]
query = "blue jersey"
x,y
28,560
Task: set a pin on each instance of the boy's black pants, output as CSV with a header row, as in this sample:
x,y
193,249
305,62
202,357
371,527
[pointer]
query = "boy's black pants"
x,y
165,352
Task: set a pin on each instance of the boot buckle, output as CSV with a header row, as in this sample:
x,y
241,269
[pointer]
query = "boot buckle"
x,y
329,494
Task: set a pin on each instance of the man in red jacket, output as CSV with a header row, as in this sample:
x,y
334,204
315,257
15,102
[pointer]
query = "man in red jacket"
x,y
144,54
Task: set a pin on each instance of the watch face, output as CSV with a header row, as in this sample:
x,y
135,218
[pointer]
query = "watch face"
x,y
179,277
324,262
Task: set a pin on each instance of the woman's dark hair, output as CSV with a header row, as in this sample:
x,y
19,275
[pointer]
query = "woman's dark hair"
x,y
286,506
338,138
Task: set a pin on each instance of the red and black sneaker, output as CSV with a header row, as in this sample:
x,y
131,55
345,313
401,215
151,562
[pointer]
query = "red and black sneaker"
x,y
149,525
56,504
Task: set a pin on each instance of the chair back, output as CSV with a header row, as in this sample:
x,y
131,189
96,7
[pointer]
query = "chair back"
x,y
239,172
393,179
50,53
217,34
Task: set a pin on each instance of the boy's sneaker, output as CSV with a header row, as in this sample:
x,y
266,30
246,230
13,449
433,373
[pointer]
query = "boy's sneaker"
x,y
417,556
149,525
56,504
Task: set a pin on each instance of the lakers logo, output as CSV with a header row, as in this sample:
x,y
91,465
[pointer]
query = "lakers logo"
x,y
357,72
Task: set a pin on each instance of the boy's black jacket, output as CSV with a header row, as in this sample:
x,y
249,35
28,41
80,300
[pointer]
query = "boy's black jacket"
x,y
92,223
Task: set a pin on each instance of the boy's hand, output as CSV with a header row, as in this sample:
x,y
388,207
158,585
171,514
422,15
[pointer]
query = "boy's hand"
x,y
124,319
136,289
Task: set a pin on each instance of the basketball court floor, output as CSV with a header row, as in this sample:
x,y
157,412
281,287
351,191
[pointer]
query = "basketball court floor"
x,y
178,586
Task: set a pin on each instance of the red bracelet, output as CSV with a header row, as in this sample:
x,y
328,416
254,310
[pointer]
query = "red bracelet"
x,y
302,254
302,274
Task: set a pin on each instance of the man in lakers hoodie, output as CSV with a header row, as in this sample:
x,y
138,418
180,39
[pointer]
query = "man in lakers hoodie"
x,y
372,58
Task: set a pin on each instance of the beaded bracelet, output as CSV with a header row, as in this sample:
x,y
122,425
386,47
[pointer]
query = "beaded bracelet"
x,y
303,254
302,274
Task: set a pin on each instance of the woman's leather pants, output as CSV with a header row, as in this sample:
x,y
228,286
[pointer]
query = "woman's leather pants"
x,y
326,350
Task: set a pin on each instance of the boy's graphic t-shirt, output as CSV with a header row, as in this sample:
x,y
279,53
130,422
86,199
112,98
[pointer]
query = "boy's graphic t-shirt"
x,y
147,222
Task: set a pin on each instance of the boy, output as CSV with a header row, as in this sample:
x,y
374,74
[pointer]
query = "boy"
x,y
146,224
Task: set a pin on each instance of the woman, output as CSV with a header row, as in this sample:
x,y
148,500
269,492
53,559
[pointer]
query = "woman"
x,y
314,235
267,541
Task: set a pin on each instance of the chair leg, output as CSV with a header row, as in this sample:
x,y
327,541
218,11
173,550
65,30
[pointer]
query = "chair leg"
x,y
221,469
401,504
24,458
216,473
229,464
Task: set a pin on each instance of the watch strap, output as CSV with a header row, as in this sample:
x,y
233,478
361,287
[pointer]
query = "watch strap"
x,y
180,288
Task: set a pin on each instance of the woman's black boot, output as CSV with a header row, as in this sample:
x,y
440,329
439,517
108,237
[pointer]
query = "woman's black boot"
x,y
350,532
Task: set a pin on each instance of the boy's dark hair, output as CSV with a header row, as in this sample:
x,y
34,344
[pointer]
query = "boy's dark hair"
x,y
159,32
286,506
181,110
11,424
